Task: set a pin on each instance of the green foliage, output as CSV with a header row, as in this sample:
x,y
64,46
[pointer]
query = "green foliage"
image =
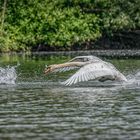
x,y
62,23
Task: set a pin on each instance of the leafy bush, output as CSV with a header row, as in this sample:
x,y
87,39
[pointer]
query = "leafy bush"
x,y
62,23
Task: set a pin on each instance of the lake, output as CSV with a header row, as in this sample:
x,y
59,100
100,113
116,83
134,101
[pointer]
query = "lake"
x,y
38,107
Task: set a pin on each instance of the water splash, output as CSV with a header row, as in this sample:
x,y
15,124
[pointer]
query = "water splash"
x,y
8,75
137,74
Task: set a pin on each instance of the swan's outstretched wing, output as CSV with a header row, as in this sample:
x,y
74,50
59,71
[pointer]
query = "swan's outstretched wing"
x,y
85,58
92,71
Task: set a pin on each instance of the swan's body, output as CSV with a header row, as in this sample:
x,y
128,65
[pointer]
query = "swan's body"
x,y
91,68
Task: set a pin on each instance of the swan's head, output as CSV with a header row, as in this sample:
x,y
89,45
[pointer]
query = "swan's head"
x,y
49,69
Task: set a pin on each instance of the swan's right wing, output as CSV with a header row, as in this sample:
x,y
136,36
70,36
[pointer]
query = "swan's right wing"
x,y
85,58
91,71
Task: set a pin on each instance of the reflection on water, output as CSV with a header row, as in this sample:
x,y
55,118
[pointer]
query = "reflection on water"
x,y
39,107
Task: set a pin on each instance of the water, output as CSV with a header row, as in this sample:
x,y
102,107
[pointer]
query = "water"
x,y
8,75
36,107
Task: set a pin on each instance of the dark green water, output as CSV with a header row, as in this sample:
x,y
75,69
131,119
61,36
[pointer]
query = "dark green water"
x,y
40,108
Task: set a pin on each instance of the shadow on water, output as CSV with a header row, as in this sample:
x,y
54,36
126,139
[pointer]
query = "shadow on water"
x,y
37,107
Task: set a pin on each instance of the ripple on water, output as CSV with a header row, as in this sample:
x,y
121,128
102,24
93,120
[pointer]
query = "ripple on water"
x,y
49,110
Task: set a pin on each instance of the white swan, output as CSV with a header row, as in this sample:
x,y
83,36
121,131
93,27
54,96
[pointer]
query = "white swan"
x,y
91,68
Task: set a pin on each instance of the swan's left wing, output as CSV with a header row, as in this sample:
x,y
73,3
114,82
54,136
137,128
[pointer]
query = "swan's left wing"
x,y
91,71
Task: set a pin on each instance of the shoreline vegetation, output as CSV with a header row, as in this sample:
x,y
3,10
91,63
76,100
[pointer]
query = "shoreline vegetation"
x,y
122,54
69,25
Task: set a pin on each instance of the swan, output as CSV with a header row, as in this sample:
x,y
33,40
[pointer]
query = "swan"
x,y
90,68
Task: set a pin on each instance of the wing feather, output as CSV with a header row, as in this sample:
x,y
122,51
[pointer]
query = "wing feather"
x,y
91,71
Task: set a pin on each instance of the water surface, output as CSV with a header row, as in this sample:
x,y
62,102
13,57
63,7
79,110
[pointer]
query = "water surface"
x,y
37,107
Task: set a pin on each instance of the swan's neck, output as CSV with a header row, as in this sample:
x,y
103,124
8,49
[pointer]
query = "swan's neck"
x,y
69,64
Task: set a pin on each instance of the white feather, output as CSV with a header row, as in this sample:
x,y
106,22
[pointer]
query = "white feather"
x,y
93,71
92,68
